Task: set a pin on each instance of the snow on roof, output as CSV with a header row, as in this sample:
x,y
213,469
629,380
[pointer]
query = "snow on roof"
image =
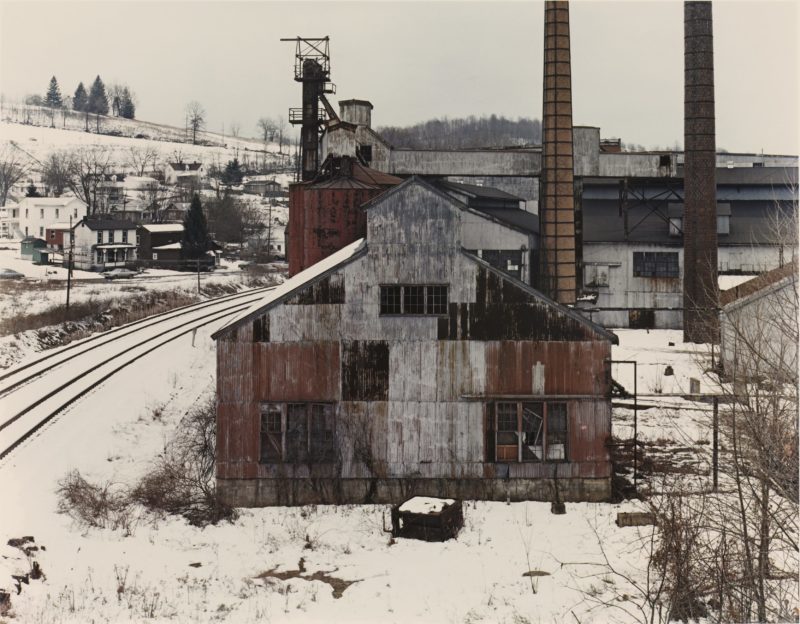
x,y
58,226
297,282
425,504
163,227
47,201
170,246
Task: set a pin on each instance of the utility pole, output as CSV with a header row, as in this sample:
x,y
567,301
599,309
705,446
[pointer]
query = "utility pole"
x,y
198,277
69,261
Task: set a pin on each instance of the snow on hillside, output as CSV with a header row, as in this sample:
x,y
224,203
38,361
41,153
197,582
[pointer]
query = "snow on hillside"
x,y
304,564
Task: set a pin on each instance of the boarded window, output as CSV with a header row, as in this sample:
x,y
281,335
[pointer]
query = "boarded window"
x,y
296,432
261,329
530,431
321,439
655,264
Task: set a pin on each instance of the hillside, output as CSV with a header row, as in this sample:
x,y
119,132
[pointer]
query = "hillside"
x,y
469,132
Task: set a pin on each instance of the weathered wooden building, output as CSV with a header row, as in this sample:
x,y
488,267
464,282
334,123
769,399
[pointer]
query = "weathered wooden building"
x,y
405,365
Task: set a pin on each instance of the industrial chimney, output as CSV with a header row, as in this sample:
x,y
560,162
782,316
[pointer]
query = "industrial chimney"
x,y
557,268
700,287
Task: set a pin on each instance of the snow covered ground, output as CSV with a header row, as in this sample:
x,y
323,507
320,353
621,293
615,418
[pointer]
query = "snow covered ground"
x,y
260,568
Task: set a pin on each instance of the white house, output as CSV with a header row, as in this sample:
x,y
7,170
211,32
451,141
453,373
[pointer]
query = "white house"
x,y
183,173
102,244
33,215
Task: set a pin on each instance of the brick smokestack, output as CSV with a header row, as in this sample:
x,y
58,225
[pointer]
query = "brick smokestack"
x,y
557,200
700,288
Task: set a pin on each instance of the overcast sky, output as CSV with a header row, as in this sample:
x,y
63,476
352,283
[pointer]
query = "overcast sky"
x,y
416,61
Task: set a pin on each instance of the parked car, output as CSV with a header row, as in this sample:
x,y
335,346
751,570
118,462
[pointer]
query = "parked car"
x,y
119,274
10,274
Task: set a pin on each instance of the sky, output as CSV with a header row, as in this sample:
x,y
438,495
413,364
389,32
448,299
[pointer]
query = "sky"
x,y
416,60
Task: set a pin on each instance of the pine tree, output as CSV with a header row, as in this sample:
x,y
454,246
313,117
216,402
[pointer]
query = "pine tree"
x,y
232,176
80,99
98,101
127,108
53,97
195,241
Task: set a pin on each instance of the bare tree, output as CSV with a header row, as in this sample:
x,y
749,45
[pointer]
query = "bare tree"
x,y
195,118
56,173
236,128
142,159
88,167
280,127
267,129
14,164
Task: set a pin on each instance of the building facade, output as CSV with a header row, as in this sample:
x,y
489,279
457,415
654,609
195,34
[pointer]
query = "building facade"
x,y
405,365
101,244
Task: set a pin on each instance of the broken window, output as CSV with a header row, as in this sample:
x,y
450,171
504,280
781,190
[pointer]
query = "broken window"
x,y
414,299
530,431
297,433
655,264
271,433
596,274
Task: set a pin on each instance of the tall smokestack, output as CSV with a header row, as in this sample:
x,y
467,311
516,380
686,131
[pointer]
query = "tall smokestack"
x,y
700,288
557,201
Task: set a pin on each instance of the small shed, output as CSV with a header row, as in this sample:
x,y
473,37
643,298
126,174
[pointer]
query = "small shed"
x,y
28,245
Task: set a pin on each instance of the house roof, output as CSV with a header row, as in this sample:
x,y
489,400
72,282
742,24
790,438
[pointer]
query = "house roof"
x,y
758,283
182,166
162,227
108,224
60,226
305,278
170,246
47,201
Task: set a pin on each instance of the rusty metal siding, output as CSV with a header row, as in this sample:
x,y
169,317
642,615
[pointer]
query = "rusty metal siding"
x,y
365,371
296,227
296,371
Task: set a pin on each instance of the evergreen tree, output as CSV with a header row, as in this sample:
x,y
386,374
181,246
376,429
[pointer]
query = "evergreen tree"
x,y
127,108
232,176
98,101
80,99
195,241
53,97
31,191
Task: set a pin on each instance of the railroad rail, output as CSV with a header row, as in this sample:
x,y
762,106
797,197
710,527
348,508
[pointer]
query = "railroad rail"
x,y
143,337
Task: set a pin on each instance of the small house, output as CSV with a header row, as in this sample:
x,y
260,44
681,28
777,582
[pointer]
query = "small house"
x,y
101,244
182,173
160,244
29,245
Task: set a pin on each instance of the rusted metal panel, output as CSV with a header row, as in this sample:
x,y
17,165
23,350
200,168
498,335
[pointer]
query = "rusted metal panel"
x,y
570,368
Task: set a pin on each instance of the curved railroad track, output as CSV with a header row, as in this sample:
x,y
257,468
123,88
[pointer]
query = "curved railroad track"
x,y
36,392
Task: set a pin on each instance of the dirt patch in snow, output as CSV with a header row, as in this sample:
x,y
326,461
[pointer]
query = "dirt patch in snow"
x,y
338,585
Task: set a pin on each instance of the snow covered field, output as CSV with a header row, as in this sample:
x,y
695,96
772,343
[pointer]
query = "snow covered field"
x,y
260,567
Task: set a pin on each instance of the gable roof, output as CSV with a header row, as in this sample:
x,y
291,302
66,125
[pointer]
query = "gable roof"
x,y
758,283
182,166
162,227
311,275
108,224
570,312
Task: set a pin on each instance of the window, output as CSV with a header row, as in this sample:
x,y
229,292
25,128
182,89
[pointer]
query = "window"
x,y
111,236
52,234
26,213
41,232
596,274
56,213
365,151
297,433
155,256
675,226
723,224
655,264
99,238
414,299
41,213
124,236
530,431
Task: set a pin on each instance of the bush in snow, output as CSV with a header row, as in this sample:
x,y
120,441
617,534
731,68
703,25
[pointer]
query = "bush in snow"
x,y
95,504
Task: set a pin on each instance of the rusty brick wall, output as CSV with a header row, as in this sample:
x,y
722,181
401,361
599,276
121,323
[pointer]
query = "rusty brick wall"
x,y
557,202
700,289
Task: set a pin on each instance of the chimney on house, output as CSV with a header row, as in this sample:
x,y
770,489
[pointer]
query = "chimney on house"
x,y
557,260
700,287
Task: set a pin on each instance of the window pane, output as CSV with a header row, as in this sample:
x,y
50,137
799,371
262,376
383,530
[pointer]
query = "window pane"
x,y
271,433
532,432
296,433
556,431
507,432
390,300
413,300
436,300
322,438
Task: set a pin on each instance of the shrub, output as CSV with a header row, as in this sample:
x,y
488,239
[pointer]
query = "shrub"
x,y
95,505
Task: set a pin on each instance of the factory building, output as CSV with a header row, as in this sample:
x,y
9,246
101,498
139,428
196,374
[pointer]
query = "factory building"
x,y
405,363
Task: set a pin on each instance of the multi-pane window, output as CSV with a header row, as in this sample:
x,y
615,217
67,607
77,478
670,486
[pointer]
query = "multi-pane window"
x,y
99,238
111,236
530,431
414,299
297,433
124,236
655,264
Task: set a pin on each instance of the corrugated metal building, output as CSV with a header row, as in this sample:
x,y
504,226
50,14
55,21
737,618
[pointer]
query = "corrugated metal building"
x,y
402,365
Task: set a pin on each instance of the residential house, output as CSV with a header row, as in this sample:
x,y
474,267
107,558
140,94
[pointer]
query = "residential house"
x,y
182,173
402,365
264,186
54,235
160,244
102,243
34,214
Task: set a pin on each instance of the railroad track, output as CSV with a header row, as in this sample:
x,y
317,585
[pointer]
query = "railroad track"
x,y
35,393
